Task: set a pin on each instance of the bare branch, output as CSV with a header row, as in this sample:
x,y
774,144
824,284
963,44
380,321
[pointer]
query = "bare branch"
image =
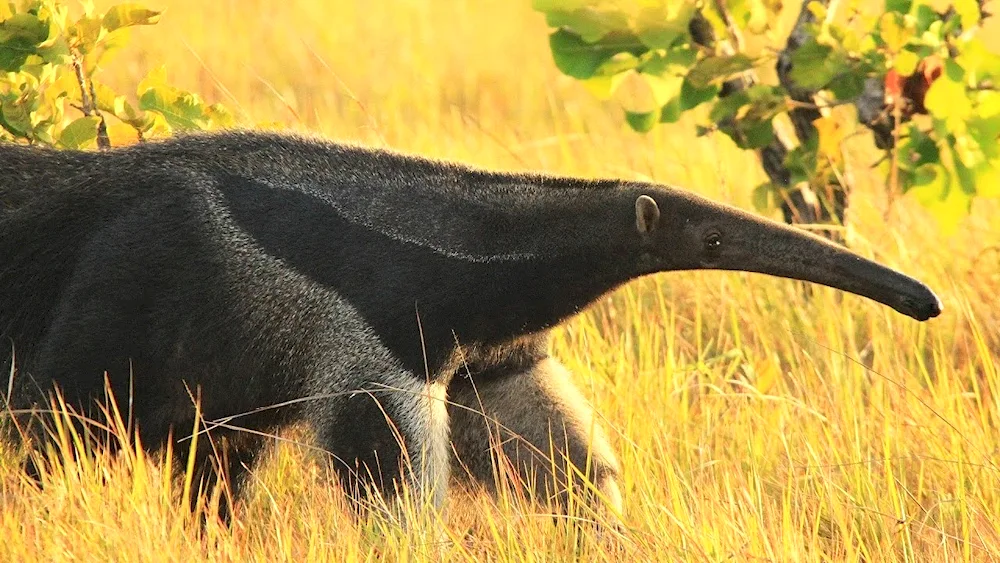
x,y
88,100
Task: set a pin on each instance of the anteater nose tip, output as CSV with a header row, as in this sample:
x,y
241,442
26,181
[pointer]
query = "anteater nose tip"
x,y
924,309
936,307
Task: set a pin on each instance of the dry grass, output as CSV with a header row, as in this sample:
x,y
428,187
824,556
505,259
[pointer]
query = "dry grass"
x,y
753,423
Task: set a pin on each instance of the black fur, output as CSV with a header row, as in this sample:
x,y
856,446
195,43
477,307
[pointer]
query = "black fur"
x,y
258,269
215,266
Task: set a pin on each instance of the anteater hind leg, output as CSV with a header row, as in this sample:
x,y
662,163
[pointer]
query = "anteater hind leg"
x,y
222,460
532,415
86,346
70,373
385,439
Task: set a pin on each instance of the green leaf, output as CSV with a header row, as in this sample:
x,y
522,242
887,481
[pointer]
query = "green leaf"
x,y
753,134
546,6
590,22
16,116
12,58
603,87
762,197
718,68
893,31
181,109
80,133
664,88
579,59
752,128
965,174
617,64
988,179
727,107
661,25
954,70
26,27
610,75
801,160
848,86
898,6
108,100
968,12
20,37
87,31
219,116
925,17
593,25
918,148
812,65
126,15
671,111
985,131
178,109
677,61
56,52
43,133
665,74
947,99
978,60
693,96
768,101
930,184
947,194
703,130
643,122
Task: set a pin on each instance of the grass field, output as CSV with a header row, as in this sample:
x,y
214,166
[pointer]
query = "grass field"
x,y
752,423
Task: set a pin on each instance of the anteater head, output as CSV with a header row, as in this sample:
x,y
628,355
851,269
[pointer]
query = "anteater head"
x,y
681,231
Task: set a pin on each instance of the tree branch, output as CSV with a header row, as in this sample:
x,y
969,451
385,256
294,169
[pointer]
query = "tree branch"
x,y
88,101
772,157
801,204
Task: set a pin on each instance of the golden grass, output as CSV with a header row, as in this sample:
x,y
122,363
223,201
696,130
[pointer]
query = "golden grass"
x,y
753,423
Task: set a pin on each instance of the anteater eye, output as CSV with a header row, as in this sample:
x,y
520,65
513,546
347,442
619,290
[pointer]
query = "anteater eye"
x,y
713,242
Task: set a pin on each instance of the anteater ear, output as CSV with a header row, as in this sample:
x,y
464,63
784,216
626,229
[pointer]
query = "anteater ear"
x,y
647,214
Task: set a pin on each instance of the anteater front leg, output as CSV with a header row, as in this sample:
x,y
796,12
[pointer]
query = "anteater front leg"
x,y
544,428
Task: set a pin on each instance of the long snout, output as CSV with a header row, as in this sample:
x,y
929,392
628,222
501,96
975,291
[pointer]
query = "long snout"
x,y
769,247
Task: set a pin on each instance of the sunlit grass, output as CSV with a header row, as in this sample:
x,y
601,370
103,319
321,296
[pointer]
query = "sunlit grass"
x,y
754,422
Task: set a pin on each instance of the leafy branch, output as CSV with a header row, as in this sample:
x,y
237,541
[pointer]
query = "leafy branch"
x,y
49,62
921,81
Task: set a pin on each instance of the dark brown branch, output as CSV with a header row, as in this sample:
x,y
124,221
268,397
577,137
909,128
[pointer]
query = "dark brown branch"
x,y
88,100
772,157
103,140
802,205
804,113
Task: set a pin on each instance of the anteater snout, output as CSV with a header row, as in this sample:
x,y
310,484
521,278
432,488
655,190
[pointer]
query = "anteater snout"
x,y
923,307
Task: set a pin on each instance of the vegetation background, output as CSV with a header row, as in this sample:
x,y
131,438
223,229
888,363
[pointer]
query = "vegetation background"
x,y
754,422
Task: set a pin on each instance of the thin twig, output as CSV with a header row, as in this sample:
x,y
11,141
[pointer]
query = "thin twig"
x,y
88,99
